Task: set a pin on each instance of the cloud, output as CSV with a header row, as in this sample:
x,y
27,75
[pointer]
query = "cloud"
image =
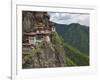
x,y
68,18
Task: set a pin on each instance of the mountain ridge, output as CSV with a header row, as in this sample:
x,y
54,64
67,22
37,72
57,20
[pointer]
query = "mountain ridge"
x,y
75,34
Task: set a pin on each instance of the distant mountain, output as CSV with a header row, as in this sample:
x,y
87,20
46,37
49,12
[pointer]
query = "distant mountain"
x,y
75,35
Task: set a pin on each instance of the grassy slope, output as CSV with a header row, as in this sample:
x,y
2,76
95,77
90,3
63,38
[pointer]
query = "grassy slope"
x,y
79,58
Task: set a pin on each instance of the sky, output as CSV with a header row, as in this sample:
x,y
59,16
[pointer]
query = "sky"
x,y
68,18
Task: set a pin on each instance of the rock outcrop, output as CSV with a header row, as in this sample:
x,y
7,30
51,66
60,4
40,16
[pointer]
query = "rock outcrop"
x,y
45,54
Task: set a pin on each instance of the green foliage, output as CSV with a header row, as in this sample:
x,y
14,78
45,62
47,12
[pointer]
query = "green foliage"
x,y
69,62
58,45
26,60
76,35
79,58
56,39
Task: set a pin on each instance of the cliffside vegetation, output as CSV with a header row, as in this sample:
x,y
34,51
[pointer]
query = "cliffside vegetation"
x,y
69,45
45,55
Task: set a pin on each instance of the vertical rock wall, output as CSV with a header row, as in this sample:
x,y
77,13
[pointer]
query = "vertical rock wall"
x,y
45,54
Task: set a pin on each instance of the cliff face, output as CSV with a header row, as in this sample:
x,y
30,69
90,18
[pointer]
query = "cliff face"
x,y
31,19
45,54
